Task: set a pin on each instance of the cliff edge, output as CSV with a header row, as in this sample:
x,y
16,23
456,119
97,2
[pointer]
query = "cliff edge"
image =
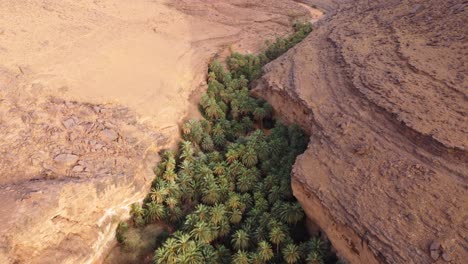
x,y
381,88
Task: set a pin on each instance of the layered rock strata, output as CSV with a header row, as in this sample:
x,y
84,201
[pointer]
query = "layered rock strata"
x,y
381,88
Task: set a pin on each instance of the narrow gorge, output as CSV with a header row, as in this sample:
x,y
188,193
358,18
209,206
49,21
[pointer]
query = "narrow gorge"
x,y
92,91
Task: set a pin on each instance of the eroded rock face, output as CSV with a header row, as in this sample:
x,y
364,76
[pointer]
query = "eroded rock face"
x,y
90,91
381,87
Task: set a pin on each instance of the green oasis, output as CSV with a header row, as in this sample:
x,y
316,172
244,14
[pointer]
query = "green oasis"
x,y
225,196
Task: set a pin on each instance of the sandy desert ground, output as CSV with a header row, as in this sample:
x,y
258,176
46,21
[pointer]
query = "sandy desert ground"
x,y
90,90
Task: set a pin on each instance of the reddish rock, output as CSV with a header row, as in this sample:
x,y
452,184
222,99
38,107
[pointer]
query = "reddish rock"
x,y
66,159
404,104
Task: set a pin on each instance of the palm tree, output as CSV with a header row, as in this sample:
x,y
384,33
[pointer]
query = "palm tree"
x,y
214,87
206,126
187,186
211,194
268,109
250,157
241,257
154,211
211,76
274,195
247,124
183,241
224,228
260,203
187,150
160,256
236,216
207,144
232,155
291,253
173,190
224,255
291,213
169,255
170,175
209,254
219,140
212,109
218,213
236,168
245,183
170,160
159,194
262,150
277,236
316,245
314,258
202,212
248,103
255,258
220,168
214,156
122,228
205,100
234,110
261,233
202,232
259,114
240,240
246,201
175,214
217,68
172,202
234,200
138,213
193,131
265,251
191,256
217,130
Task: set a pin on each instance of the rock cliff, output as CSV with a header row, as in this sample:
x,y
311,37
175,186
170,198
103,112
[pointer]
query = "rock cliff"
x,y
90,91
381,87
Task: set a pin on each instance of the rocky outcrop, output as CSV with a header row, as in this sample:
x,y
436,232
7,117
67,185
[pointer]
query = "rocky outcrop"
x,y
90,91
381,88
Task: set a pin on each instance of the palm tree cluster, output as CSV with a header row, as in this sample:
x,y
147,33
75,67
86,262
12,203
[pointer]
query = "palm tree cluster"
x,y
227,191
250,65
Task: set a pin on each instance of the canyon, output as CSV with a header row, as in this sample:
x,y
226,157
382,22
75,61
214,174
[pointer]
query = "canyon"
x,y
381,88
91,91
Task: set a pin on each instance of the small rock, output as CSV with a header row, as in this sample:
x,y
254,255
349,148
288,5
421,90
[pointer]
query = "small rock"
x,y
362,149
73,136
98,146
446,256
69,104
78,168
415,9
109,134
36,86
66,159
70,122
435,254
435,245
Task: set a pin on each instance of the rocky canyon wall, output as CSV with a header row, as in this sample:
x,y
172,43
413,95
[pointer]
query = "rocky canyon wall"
x,y
90,91
381,87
